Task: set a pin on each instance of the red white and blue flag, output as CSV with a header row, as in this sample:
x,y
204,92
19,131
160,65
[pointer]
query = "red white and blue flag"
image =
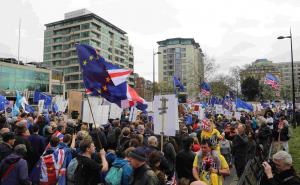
x,y
104,79
272,81
205,89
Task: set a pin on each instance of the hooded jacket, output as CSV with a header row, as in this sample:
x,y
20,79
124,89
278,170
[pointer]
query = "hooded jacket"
x,y
18,173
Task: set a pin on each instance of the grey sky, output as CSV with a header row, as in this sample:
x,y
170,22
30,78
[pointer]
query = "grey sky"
x,y
234,32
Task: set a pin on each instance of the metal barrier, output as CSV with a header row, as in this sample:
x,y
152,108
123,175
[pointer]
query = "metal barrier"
x,y
254,171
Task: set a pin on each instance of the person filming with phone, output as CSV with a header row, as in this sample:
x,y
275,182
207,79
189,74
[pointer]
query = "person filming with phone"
x,y
282,172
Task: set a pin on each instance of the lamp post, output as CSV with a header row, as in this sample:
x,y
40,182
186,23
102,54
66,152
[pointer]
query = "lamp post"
x,y
153,86
293,81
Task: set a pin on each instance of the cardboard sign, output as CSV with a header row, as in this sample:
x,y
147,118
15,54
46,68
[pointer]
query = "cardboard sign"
x,y
75,103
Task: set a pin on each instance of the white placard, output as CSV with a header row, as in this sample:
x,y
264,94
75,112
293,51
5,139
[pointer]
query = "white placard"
x,y
133,114
201,113
219,109
61,103
40,106
115,111
170,117
228,114
237,115
150,107
100,112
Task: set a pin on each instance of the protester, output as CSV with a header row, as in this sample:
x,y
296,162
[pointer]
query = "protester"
x,y
285,175
142,174
207,168
14,169
6,147
88,171
185,159
240,149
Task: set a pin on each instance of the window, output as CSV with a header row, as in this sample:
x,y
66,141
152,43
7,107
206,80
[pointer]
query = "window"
x,y
84,34
85,26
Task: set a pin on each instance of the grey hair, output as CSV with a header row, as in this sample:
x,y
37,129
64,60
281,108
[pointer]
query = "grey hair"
x,y
283,156
152,140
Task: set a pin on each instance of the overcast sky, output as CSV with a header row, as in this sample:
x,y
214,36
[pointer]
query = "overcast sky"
x,y
233,32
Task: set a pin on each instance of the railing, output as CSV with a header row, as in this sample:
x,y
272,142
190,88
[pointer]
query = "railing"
x,y
254,171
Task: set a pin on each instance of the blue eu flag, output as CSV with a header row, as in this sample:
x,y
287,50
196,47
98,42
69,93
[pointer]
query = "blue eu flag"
x,y
96,78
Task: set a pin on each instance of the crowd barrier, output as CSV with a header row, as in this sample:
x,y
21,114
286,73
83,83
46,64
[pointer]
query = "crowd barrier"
x,y
254,171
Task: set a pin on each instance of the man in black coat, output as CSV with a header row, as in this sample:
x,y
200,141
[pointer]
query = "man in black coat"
x,y
285,173
185,159
6,147
239,149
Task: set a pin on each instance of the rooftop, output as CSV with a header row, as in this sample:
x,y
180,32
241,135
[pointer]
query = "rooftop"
x,y
178,40
83,13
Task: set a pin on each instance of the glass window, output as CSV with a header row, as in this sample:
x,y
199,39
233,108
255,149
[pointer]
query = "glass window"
x,y
85,26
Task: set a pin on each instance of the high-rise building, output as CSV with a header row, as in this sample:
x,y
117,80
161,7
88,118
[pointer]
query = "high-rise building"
x,y
182,58
85,27
286,80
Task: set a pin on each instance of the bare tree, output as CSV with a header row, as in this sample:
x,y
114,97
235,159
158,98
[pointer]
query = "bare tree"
x,y
210,67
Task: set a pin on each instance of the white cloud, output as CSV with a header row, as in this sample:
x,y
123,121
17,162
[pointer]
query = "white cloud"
x,y
234,32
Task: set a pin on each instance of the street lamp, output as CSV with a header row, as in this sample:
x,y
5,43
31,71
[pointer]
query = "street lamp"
x,y
154,53
293,81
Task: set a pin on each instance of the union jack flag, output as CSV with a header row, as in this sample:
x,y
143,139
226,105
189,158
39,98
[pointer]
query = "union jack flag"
x,y
272,81
205,89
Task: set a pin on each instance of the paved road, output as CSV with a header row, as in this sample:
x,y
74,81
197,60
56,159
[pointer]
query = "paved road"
x,y
232,179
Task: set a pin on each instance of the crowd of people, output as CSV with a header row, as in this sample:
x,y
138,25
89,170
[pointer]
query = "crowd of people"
x,y
51,149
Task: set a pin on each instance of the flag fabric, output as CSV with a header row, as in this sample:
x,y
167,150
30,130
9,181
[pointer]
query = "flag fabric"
x,y
119,76
227,103
29,108
3,102
242,105
177,84
55,108
105,79
38,95
272,81
205,89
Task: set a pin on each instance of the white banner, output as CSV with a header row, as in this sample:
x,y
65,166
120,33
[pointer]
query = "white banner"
x,y
115,111
40,106
100,112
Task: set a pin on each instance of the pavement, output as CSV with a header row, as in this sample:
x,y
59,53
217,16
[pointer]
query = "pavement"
x,y
232,179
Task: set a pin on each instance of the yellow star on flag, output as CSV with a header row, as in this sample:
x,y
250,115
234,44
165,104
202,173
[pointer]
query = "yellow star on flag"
x,y
99,91
91,57
104,88
107,79
84,62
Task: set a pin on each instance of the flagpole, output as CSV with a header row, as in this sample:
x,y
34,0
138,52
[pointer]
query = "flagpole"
x,y
19,41
98,138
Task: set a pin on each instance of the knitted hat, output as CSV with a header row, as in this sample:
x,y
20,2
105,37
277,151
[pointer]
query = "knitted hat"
x,y
138,154
8,136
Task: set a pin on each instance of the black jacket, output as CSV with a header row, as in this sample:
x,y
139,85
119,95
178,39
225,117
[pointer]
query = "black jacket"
x,y
88,171
184,164
240,146
5,150
143,175
287,177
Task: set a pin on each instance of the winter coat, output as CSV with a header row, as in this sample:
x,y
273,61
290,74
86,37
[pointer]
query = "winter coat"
x,y
18,173
5,150
240,146
143,175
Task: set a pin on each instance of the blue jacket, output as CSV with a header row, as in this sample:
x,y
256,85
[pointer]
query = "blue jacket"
x,y
127,169
18,174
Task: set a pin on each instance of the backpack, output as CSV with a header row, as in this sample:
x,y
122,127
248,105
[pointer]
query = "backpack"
x,y
71,170
114,176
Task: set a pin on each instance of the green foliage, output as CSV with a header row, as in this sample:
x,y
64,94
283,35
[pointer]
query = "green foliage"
x,y
219,88
294,145
266,92
250,88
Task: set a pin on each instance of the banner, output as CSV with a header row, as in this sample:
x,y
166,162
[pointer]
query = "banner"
x,y
41,106
115,111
